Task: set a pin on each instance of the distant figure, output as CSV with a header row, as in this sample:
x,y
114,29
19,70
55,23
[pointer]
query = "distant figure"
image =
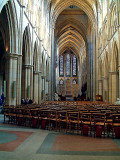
x,y
30,101
22,101
117,102
56,96
2,98
0,101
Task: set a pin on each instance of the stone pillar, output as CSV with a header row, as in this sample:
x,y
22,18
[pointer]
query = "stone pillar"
x,y
94,65
113,87
105,89
43,87
100,87
39,88
28,81
11,79
19,74
47,90
52,66
35,86
31,82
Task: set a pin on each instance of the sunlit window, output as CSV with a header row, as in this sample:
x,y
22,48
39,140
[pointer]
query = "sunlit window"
x,y
68,65
74,65
61,82
74,81
61,72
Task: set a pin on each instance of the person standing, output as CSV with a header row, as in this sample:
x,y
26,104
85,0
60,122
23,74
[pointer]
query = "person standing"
x,y
2,98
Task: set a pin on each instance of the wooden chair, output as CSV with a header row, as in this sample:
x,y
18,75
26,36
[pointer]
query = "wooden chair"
x,y
99,124
116,125
19,116
27,117
6,110
73,121
52,119
35,117
62,120
85,118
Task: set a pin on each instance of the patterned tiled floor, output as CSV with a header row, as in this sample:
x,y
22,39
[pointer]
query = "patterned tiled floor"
x,y
59,144
37,144
17,137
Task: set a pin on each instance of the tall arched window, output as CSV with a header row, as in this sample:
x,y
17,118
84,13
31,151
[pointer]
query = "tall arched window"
x,y
61,82
74,81
74,69
68,65
61,69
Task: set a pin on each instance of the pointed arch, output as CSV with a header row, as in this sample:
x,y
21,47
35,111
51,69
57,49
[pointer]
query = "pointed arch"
x,y
114,59
106,66
35,57
12,21
26,50
59,6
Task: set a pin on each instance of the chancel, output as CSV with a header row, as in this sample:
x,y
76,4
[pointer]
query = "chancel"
x,y
59,79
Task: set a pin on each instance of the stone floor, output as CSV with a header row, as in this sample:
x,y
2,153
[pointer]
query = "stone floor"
x,y
20,143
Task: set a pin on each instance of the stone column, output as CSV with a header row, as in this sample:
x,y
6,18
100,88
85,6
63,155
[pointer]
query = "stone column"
x,y
100,87
52,66
39,88
44,83
11,78
47,89
31,82
19,74
94,65
113,88
105,89
35,86
28,70
42,88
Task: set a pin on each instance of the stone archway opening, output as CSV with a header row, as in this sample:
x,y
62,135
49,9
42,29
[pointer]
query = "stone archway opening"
x,y
74,36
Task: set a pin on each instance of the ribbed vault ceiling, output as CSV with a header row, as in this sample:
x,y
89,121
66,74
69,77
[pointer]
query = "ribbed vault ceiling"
x,y
71,19
87,6
70,30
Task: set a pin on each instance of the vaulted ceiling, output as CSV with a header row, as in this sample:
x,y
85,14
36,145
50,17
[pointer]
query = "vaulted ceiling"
x,y
71,19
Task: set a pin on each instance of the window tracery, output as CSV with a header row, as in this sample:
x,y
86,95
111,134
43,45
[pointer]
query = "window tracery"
x,y
68,65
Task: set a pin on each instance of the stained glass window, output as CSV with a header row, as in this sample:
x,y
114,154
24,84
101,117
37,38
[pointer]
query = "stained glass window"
x,y
61,66
74,65
74,81
67,65
61,81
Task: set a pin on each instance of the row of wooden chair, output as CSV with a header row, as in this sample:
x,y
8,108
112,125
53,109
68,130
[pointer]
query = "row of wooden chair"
x,y
70,119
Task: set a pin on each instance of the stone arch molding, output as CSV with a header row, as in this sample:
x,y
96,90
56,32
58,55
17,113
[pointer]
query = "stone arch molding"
x,y
114,58
59,6
106,64
35,55
12,20
27,43
2,4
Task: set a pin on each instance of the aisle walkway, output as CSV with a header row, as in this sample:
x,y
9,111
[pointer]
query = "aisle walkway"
x,y
20,143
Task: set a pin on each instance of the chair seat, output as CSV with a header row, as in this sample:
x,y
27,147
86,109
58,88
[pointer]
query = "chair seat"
x,y
116,124
20,115
88,123
100,124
